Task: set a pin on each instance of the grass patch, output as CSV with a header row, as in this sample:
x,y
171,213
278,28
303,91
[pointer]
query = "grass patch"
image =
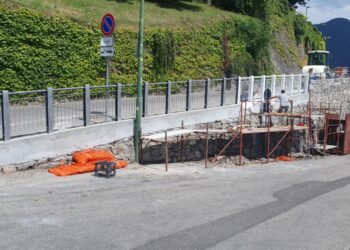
x,y
90,12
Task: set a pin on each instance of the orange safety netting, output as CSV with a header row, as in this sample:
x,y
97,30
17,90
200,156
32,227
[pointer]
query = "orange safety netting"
x,y
89,155
284,158
85,162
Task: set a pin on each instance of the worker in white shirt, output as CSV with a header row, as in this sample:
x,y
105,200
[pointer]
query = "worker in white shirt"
x,y
284,101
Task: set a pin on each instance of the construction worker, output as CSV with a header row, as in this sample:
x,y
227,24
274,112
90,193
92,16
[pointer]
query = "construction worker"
x,y
284,101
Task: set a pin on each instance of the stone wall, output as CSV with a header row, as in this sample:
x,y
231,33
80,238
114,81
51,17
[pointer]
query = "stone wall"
x,y
193,148
333,91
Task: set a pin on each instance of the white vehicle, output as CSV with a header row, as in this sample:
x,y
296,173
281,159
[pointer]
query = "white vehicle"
x,y
318,63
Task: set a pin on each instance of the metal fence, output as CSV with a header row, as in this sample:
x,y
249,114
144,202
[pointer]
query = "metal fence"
x,y
46,111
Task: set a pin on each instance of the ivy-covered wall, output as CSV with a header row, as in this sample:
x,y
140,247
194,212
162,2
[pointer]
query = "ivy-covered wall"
x,y
38,51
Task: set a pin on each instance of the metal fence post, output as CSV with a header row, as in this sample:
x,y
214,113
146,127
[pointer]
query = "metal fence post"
x,y
118,102
299,83
49,110
223,88
273,85
263,86
145,99
189,95
283,81
251,88
206,93
86,105
238,95
168,97
291,84
306,85
5,112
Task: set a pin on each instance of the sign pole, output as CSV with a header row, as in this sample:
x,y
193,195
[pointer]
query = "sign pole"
x,y
137,132
107,50
107,86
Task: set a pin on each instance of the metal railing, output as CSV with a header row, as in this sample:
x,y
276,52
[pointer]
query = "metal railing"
x,y
45,111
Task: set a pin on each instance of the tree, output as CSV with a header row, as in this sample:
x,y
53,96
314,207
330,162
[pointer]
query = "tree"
x,y
294,3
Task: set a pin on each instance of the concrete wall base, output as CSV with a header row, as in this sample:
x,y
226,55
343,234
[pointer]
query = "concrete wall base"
x,y
49,146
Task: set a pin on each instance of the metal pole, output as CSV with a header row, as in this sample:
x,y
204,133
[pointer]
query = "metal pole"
x,y
206,145
339,125
181,143
6,117
241,135
310,125
291,130
245,112
166,151
268,134
107,86
325,135
137,132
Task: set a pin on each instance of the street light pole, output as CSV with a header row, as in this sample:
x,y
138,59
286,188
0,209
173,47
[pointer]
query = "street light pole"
x,y
307,7
137,131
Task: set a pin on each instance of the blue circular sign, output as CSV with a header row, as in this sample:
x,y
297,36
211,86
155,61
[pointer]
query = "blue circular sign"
x,y
107,24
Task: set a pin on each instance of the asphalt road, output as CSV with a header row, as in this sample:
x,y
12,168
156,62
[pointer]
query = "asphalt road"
x,y
298,205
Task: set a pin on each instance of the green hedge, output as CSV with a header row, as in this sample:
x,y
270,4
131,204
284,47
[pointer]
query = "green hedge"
x,y
37,51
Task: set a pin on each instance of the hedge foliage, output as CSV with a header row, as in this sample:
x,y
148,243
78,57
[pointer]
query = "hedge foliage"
x,y
37,51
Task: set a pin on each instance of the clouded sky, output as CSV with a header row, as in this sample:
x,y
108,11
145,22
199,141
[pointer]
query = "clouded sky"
x,y
321,11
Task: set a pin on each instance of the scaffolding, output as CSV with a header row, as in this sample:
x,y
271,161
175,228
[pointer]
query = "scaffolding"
x,y
314,123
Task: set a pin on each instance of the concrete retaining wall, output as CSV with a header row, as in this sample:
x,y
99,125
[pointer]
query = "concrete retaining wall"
x,y
44,146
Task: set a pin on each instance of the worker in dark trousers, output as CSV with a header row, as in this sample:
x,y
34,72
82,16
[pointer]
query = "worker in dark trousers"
x,y
284,101
284,104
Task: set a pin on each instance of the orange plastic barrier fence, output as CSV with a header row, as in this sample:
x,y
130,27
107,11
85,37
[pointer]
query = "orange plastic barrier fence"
x,y
85,162
89,155
76,168
284,158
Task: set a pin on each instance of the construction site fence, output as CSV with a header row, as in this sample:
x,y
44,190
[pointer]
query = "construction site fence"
x,y
46,111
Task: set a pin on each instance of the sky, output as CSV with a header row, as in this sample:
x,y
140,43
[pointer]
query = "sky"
x,y
321,11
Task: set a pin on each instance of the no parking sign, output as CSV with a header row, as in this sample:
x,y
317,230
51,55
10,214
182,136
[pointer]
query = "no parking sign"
x,y
107,24
107,28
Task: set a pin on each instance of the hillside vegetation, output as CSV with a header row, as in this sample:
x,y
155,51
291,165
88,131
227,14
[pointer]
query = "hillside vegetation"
x,y
179,14
41,49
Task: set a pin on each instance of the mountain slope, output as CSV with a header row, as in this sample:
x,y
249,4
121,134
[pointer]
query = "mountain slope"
x,y
337,32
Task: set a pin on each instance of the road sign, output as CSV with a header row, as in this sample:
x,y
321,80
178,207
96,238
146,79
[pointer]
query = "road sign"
x,y
107,51
107,41
107,24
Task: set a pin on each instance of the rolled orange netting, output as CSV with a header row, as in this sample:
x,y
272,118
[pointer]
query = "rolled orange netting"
x,y
85,161
89,155
284,158
100,155
82,157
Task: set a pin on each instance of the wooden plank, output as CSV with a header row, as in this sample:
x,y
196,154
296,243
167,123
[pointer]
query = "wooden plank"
x,y
321,146
272,129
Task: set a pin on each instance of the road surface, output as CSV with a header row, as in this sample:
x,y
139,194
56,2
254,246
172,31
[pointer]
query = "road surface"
x,y
297,205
